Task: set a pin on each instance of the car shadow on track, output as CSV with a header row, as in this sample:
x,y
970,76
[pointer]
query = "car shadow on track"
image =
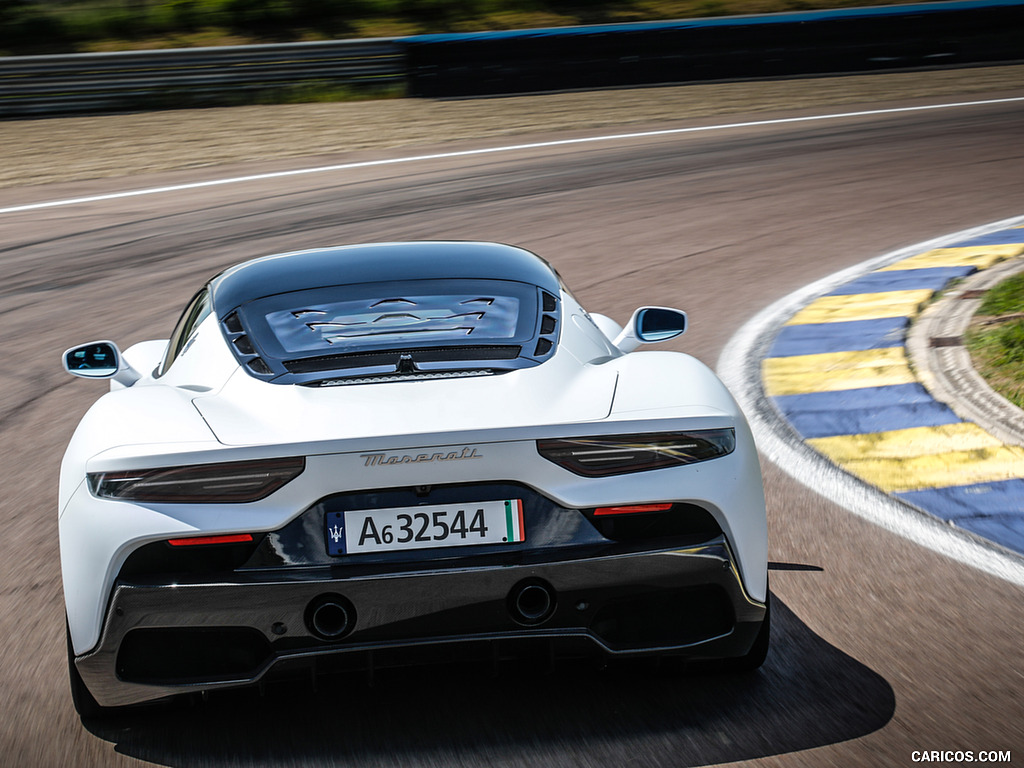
x,y
808,694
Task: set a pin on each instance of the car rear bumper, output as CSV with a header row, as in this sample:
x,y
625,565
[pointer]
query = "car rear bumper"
x,y
161,639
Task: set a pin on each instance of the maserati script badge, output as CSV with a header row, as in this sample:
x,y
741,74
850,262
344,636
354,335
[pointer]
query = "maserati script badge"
x,y
381,459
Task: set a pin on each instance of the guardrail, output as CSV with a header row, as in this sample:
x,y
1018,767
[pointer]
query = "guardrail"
x,y
953,32
36,85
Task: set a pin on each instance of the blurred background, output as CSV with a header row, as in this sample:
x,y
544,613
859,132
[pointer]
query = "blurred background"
x,y
65,26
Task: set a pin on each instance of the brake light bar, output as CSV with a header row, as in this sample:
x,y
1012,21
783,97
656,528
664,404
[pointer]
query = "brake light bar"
x,y
196,541
631,509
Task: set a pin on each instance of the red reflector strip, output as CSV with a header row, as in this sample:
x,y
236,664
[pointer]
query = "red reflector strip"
x,y
629,510
233,538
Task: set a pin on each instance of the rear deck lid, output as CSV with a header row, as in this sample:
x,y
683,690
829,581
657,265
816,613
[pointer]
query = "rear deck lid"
x,y
251,412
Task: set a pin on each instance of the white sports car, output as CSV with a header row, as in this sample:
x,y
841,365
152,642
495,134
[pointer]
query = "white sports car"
x,y
382,454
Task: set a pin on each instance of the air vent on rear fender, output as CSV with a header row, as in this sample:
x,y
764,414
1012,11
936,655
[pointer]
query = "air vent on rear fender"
x,y
256,365
245,350
548,325
244,346
232,323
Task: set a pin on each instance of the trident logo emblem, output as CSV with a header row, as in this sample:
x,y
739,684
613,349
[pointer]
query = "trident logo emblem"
x,y
335,532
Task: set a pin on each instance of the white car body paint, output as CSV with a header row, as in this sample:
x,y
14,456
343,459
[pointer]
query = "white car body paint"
x,y
206,409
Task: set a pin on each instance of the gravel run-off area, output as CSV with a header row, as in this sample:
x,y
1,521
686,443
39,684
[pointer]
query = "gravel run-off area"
x,y
52,150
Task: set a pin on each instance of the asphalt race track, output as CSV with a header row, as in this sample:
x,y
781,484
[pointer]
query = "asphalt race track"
x,y
880,648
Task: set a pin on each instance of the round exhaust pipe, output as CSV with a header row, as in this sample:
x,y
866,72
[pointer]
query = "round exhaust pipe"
x,y
531,602
330,617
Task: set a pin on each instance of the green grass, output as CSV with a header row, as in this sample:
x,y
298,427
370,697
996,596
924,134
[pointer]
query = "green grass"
x,y
300,93
997,349
1006,298
64,26
306,93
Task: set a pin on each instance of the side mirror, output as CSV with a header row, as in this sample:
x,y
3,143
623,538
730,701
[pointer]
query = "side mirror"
x,y
649,325
99,360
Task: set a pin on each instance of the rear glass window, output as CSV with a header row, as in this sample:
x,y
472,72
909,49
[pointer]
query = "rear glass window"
x,y
399,315
407,318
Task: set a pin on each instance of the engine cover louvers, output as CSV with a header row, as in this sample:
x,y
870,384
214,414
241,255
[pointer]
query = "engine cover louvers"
x,y
548,326
244,347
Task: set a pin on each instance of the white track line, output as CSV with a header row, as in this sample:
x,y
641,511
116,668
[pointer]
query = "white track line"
x,y
491,150
740,368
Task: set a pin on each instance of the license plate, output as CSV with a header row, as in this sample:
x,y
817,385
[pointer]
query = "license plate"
x,y
355,531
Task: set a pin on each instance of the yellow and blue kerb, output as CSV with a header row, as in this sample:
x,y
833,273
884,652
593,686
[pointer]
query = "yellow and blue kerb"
x,y
838,371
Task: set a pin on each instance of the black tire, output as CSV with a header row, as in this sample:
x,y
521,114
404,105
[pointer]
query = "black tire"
x,y
85,704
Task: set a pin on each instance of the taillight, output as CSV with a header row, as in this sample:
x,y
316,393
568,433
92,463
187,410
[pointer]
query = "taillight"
x,y
621,454
236,481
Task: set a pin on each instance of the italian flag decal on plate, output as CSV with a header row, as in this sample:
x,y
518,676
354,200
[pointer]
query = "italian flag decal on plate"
x,y
514,520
